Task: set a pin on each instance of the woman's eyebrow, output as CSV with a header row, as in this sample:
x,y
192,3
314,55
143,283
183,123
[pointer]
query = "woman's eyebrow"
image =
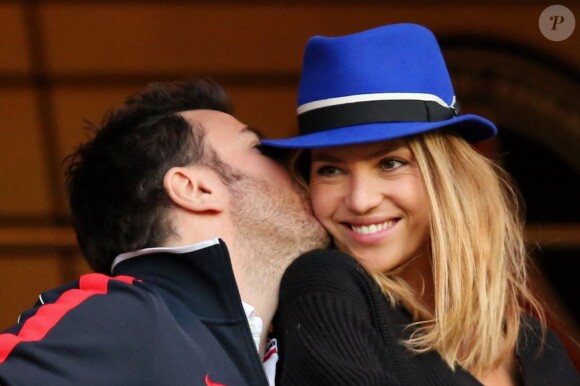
x,y
325,157
385,150
329,157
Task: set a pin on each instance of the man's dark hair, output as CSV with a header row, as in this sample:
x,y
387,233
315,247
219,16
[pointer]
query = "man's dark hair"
x,y
115,181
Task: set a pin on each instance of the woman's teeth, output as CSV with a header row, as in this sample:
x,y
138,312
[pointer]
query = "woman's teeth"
x,y
371,229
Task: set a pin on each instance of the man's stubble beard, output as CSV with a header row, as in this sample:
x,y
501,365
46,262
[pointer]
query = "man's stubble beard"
x,y
273,227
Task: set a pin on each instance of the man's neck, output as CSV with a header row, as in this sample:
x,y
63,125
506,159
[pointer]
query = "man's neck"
x,y
258,269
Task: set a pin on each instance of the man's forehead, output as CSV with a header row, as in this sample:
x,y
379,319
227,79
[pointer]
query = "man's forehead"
x,y
212,120
205,114
252,130
218,122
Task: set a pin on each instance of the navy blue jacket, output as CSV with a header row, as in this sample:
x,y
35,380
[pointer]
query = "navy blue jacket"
x,y
162,319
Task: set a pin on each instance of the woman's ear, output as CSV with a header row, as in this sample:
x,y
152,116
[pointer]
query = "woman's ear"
x,y
193,189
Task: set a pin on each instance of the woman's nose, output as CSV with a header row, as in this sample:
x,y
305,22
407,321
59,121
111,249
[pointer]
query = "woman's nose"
x,y
364,194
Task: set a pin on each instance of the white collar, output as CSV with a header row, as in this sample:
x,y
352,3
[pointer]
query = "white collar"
x,y
177,250
255,323
271,355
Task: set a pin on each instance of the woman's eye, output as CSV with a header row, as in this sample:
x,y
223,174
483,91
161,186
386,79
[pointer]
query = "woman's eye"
x,y
327,171
391,163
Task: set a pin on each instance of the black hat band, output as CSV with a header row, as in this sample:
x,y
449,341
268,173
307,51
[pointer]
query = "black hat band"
x,y
357,113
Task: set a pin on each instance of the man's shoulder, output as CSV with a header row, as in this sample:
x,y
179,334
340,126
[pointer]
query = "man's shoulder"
x,y
91,295
88,286
92,314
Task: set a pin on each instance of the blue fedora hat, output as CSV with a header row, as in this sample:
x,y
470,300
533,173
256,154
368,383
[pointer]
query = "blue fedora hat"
x,y
384,83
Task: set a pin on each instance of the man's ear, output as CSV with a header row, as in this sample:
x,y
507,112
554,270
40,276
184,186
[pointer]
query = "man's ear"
x,y
193,189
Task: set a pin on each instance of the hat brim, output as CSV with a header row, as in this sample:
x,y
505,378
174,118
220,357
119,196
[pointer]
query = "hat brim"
x,y
472,128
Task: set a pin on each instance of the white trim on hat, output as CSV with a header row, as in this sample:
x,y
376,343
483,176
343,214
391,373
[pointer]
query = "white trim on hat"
x,y
371,97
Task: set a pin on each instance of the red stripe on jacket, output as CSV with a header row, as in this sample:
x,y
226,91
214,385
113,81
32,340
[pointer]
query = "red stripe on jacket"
x,y
48,316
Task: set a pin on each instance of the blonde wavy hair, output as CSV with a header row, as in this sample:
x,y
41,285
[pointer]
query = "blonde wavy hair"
x,y
478,256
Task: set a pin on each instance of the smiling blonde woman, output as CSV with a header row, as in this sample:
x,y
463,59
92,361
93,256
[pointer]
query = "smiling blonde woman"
x,y
437,291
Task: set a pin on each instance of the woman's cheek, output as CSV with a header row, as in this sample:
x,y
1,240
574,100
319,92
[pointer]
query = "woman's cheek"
x,y
321,204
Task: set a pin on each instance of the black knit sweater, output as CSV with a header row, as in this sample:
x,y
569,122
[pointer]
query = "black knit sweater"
x,y
335,327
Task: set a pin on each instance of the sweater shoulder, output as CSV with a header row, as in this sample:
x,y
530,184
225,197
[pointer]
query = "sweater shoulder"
x,y
329,259
543,356
326,271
